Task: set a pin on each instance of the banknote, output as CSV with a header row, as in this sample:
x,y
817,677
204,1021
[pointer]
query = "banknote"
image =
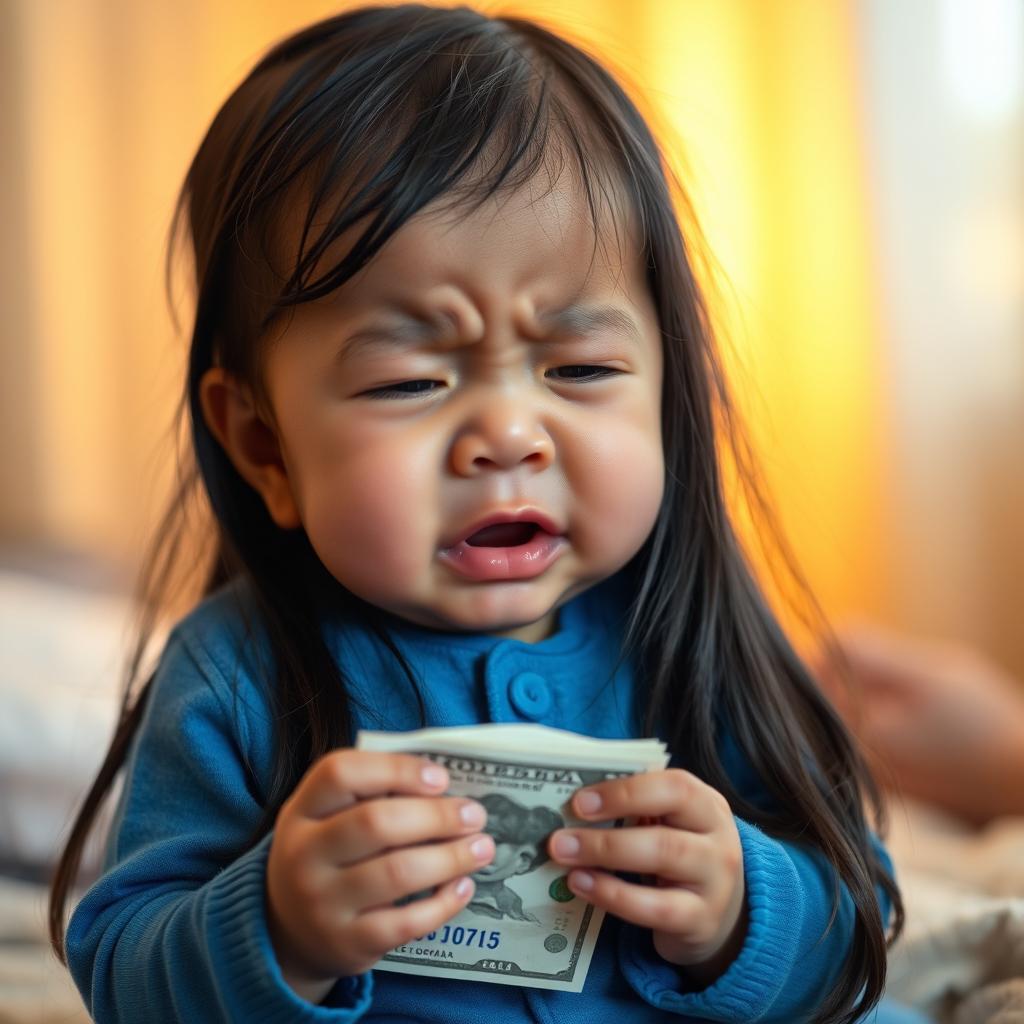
x,y
523,925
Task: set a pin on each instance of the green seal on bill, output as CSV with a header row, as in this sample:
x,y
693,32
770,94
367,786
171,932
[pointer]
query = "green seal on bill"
x,y
559,890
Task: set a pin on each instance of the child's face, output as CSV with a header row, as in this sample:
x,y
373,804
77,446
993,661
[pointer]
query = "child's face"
x,y
484,420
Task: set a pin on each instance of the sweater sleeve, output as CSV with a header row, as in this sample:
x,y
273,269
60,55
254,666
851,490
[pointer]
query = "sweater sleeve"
x,y
176,928
790,958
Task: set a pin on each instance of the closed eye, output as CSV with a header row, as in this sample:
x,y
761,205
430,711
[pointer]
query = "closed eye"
x,y
404,389
580,372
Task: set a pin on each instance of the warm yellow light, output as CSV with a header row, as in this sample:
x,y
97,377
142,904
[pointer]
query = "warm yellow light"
x,y
763,98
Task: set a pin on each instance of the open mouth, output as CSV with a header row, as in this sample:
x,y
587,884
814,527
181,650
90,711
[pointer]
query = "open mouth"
x,y
502,549
504,535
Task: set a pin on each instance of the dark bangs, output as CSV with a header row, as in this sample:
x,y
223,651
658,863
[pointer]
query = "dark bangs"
x,y
330,164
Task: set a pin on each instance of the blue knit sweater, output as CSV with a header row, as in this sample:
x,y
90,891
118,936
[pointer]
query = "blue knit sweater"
x,y
176,927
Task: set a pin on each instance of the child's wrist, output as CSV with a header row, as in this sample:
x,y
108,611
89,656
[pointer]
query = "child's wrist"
x,y
707,972
312,991
309,985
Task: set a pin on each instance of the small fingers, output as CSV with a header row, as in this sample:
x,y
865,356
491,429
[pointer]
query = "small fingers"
x,y
678,797
657,850
379,931
382,880
375,825
338,779
659,908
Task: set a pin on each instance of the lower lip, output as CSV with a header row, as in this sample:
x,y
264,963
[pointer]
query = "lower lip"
x,y
522,562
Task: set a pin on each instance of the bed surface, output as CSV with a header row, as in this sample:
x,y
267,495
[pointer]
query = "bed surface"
x,y
34,987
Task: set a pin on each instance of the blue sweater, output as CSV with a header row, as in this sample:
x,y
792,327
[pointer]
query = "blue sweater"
x,y
176,927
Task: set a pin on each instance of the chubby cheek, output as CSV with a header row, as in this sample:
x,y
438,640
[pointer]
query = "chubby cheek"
x,y
618,477
368,512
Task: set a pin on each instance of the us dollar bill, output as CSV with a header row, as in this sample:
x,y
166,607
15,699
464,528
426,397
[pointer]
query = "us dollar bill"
x,y
523,925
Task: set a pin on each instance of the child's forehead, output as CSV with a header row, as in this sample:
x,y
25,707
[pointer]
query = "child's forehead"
x,y
542,229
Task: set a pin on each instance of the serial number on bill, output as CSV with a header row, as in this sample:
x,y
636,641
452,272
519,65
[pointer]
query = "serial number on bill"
x,y
460,936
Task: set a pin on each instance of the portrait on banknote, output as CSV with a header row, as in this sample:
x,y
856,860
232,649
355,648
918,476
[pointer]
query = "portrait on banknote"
x,y
520,835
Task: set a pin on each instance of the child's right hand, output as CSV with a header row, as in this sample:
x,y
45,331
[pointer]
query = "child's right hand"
x,y
362,830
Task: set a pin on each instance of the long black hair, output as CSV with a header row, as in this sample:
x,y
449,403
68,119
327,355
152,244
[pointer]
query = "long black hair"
x,y
368,117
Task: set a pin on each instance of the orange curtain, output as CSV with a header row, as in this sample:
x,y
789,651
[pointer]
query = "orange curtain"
x,y
757,105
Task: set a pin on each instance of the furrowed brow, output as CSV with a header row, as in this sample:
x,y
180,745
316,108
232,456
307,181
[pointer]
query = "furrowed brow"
x,y
390,338
576,319
581,319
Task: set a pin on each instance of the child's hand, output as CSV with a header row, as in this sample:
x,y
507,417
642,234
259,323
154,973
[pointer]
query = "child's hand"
x,y
687,840
344,851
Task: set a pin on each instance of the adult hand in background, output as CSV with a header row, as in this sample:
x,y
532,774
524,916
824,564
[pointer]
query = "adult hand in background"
x,y
937,722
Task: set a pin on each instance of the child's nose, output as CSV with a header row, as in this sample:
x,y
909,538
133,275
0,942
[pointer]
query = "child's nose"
x,y
502,436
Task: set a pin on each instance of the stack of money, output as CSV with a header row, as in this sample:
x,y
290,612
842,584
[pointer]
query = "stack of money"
x,y
523,925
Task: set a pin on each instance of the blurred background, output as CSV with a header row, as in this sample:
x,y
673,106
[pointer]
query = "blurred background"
x,y
857,167
858,172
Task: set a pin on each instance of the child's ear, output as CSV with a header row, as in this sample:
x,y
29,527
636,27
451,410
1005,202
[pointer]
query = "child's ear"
x,y
251,444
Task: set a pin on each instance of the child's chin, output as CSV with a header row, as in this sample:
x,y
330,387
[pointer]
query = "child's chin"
x,y
527,624
530,630
516,616
513,615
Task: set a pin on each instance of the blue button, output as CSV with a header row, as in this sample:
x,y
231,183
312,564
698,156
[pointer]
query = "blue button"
x,y
530,695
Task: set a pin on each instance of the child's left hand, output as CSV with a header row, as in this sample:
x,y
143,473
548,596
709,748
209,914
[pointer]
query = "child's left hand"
x,y
687,839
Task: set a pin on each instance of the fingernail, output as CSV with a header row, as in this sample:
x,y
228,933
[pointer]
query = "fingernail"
x,y
435,776
472,815
581,880
463,888
482,848
566,845
588,802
